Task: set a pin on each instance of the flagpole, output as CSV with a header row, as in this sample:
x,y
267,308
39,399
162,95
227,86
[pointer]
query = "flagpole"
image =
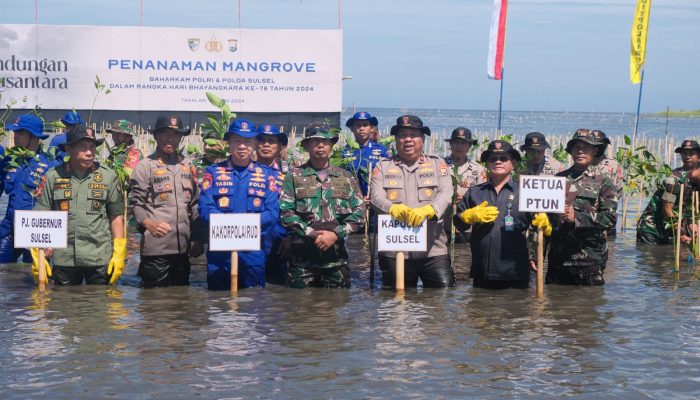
x,y
500,102
636,118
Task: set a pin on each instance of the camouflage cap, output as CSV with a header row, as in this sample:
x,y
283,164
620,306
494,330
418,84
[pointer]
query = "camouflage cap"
x,y
688,145
587,136
499,147
122,126
319,130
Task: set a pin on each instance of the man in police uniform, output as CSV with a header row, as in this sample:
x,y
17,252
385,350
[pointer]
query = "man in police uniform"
x,y
578,252
413,187
652,224
320,206
22,179
369,152
164,198
123,135
271,144
538,163
91,194
239,185
465,172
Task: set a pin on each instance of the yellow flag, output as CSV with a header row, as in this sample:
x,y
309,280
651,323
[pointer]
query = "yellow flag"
x,y
639,39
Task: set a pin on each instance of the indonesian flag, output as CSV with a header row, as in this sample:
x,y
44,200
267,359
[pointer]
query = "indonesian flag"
x,y
638,51
497,39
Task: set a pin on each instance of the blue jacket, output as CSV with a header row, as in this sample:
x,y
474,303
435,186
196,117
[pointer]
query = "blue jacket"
x,y
252,190
360,160
2,169
22,186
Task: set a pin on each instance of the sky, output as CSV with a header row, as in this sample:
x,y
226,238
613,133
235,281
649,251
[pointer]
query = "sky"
x,y
561,55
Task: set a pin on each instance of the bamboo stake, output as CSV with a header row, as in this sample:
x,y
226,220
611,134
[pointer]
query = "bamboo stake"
x,y
234,272
540,262
692,222
42,270
400,260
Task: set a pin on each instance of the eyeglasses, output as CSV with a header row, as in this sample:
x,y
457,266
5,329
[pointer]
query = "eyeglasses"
x,y
498,158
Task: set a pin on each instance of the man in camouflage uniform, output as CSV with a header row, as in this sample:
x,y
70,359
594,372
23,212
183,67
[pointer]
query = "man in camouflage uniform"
x,y
320,206
465,172
413,187
651,226
537,162
579,249
128,155
164,196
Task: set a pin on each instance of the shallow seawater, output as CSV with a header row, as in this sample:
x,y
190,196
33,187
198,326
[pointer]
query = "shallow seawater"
x,y
637,337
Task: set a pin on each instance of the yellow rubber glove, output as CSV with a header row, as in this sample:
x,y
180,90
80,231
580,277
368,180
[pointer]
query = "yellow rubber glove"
x,y
400,212
541,221
417,215
35,264
483,213
116,264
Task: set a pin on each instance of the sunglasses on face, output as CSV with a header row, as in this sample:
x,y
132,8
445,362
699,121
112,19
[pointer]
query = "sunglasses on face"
x,y
498,158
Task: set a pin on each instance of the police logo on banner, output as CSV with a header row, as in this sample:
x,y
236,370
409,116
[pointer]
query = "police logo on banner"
x,y
193,43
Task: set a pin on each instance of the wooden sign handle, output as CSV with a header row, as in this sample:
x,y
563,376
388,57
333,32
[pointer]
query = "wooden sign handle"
x,y
234,272
42,269
400,259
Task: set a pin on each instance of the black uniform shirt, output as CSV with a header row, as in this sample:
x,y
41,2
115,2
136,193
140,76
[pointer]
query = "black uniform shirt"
x,y
497,254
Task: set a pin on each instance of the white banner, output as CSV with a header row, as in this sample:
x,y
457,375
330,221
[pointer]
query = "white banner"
x,y
170,69
542,194
43,229
233,232
394,235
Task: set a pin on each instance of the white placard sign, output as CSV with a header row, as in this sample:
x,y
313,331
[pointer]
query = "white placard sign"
x,y
163,68
234,232
394,235
42,229
542,194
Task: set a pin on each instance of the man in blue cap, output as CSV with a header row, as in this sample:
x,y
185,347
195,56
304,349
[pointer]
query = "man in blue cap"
x,y
23,175
368,154
164,196
271,143
71,119
239,185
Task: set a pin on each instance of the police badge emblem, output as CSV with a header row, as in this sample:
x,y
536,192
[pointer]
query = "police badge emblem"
x,y
193,43
232,45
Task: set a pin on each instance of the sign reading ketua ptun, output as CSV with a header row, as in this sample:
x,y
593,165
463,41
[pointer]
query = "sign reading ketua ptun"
x,y
542,193
158,68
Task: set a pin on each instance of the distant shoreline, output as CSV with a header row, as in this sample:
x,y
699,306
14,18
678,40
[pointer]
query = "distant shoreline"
x,y
679,113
